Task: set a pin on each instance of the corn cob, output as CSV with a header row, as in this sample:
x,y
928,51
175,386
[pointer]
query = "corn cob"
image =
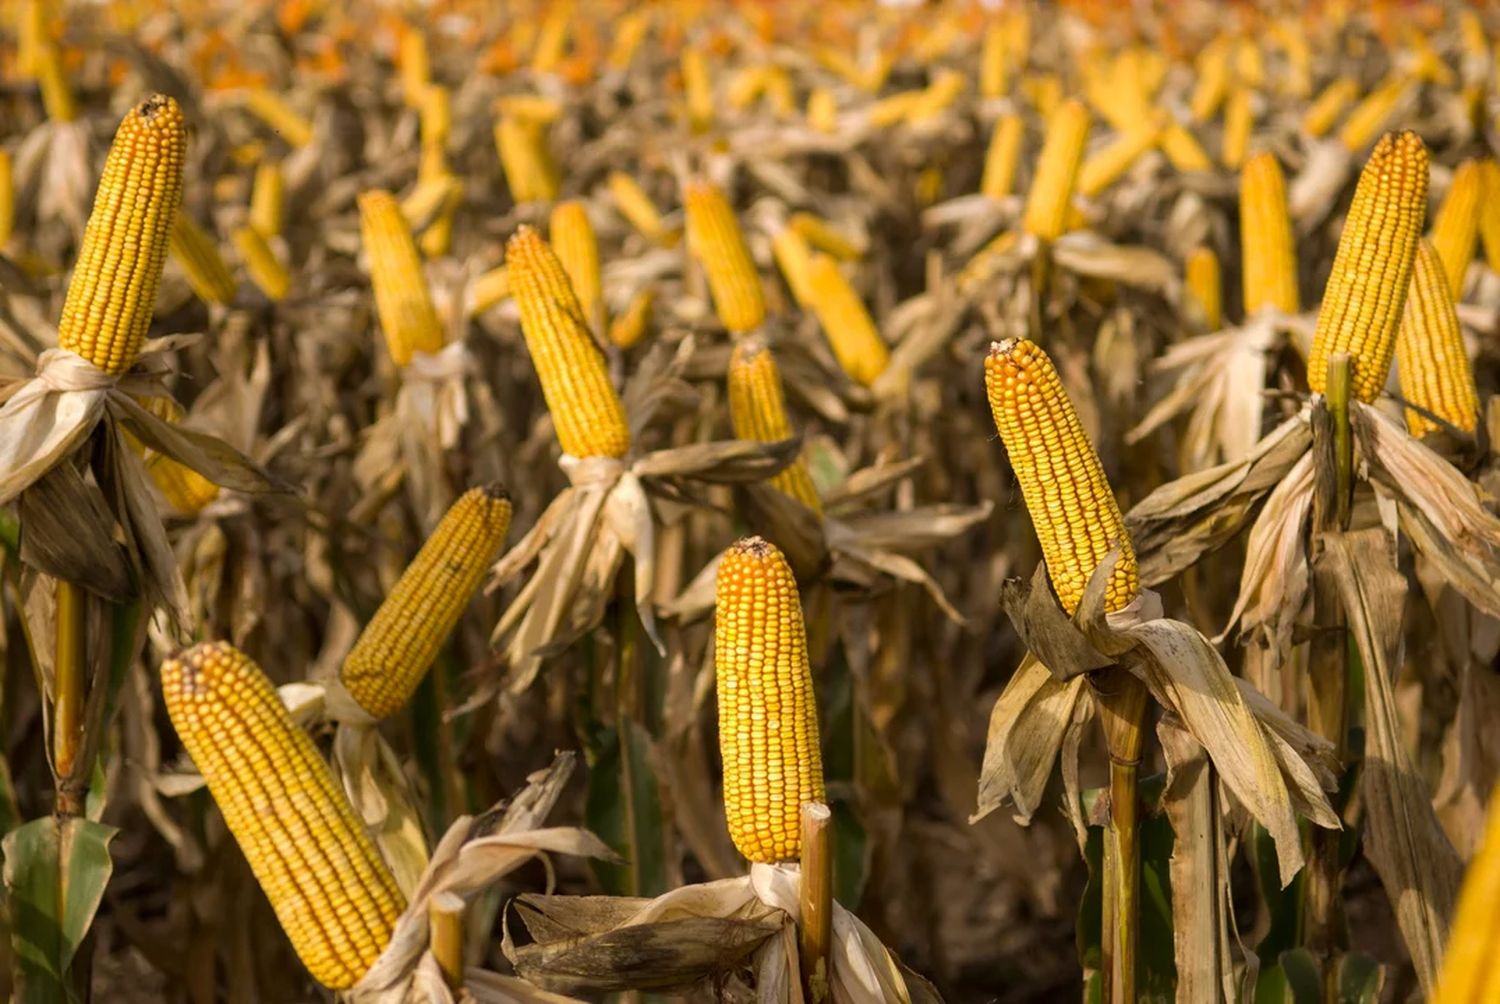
x,y
1073,510
1057,172
822,110
793,256
768,715
1183,150
847,325
201,262
1045,92
525,159
630,31
698,89
634,321
1238,121
283,119
552,41
635,205
7,198
1205,286
1471,967
715,240
1249,64
1430,356
31,36
585,409
1001,157
757,411
186,491
426,199
1455,230
416,69
333,894
1370,115
822,235
439,233
746,86
266,270
532,108
1489,212
394,650
1270,256
573,240
436,117
1328,106
267,194
993,64
1367,288
57,93
113,289
405,307
936,97
1111,161
1212,86
777,91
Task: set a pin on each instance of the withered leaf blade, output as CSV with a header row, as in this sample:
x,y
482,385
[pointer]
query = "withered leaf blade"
x,y
787,523
723,462
1046,629
68,533
208,455
1027,730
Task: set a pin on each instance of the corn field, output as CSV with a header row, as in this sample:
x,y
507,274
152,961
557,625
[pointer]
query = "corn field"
x,y
715,500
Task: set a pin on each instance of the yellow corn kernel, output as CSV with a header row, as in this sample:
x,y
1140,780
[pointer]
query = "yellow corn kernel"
x,y
1238,121
333,894
415,66
1249,65
7,198
635,205
825,237
392,653
1455,229
993,62
847,325
1073,510
113,289
626,330
1370,115
267,195
1057,172
715,239
266,270
1269,268
201,262
552,41
768,714
57,93
1111,161
698,89
1001,157
1471,966
793,256
822,110
586,411
1183,150
630,31
1372,268
573,240
1212,85
757,412
282,118
1328,106
489,289
1431,359
529,169
1489,212
402,300
1205,286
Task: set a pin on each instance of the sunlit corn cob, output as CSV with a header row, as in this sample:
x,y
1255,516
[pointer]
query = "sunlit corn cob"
x,y
1455,229
198,254
1431,360
52,78
1370,115
994,64
627,329
7,198
402,639
1471,964
1489,212
435,239
113,289
1328,106
1057,172
572,238
426,199
936,97
1212,85
635,205
402,300
283,119
586,411
1249,63
746,86
31,35
529,169
1001,157
267,195
333,894
698,89
266,270
1296,79
1106,165
824,236
793,256
436,117
533,108
768,712
822,110
779,93
415,66
1183,150
715,239
186,491
1205,288
1238,121
489,289
1073,510
847,325
1366,290
629,31
1044,91
552,41
757,411
1269,266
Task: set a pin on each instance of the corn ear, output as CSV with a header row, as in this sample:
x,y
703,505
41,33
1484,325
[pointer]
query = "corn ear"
x,y
573,240
1455,229
266,270
282,118
1052,189
198,254
1328,106
757,412
626,330
1431,360
1205,286
1269,265
1001,157
402,301
267,195
524,157
715,239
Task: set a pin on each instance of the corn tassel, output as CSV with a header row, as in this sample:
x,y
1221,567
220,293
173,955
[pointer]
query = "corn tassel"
x,y
1001,157
1073,510
847,325
1455,229
282,118
1471,965
572,238
529,169
201,262
1328,106
768,715
715,239
1051,192
1239,119
113,289
1109,163
402,300
266,270
332,893
1205,286
757,412
1431,359
1366,291
1270,256
267,195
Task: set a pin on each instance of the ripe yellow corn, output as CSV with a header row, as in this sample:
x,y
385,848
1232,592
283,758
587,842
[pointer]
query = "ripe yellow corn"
x,y
635,205
394,650
634,321
1001,157
793,256
552,41
698,89
768,714
1183,150
1270,255
715,239
282,118
1212,86
267,195
573,240
1489,212
1367,288
533,108
186,491
757,412
1471,966
1431,359
1044,91
416,71
113,289
7,198
1328,106
1073,510
936,97
266,270
825,237
439,233
333,894
1205,286
402,300
1051,192
1238,121
630,31
529,169
994,65
57,93
586,411
436,117
1111,161
489,289
1455,229
1370,115
847,325
822,110
746,86
1249,64
427,198
31,35
201,262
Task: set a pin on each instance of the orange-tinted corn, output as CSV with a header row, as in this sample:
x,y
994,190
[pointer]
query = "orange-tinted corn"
x,y
267,195
1052,188
1183,150
529,169
586,411
1001,157
847,325
1073,510
572,238
1471,964
266,270
1205,286
1370,115
394,650
1238,120
1269,268
1362,303
768,713
1111,161
757,411
201,262
113,289
415,66
1328,106
405,306
282,118
52,78
634,321
1431,360
1455,229
635,205
333,894
715,239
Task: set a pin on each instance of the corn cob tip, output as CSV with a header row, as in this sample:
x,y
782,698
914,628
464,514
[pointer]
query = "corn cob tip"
x,y
496,491
754,546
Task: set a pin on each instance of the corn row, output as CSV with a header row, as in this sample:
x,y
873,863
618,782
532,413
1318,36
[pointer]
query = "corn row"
x,y
405,307
1269,263
715,239
757,412
1431,360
